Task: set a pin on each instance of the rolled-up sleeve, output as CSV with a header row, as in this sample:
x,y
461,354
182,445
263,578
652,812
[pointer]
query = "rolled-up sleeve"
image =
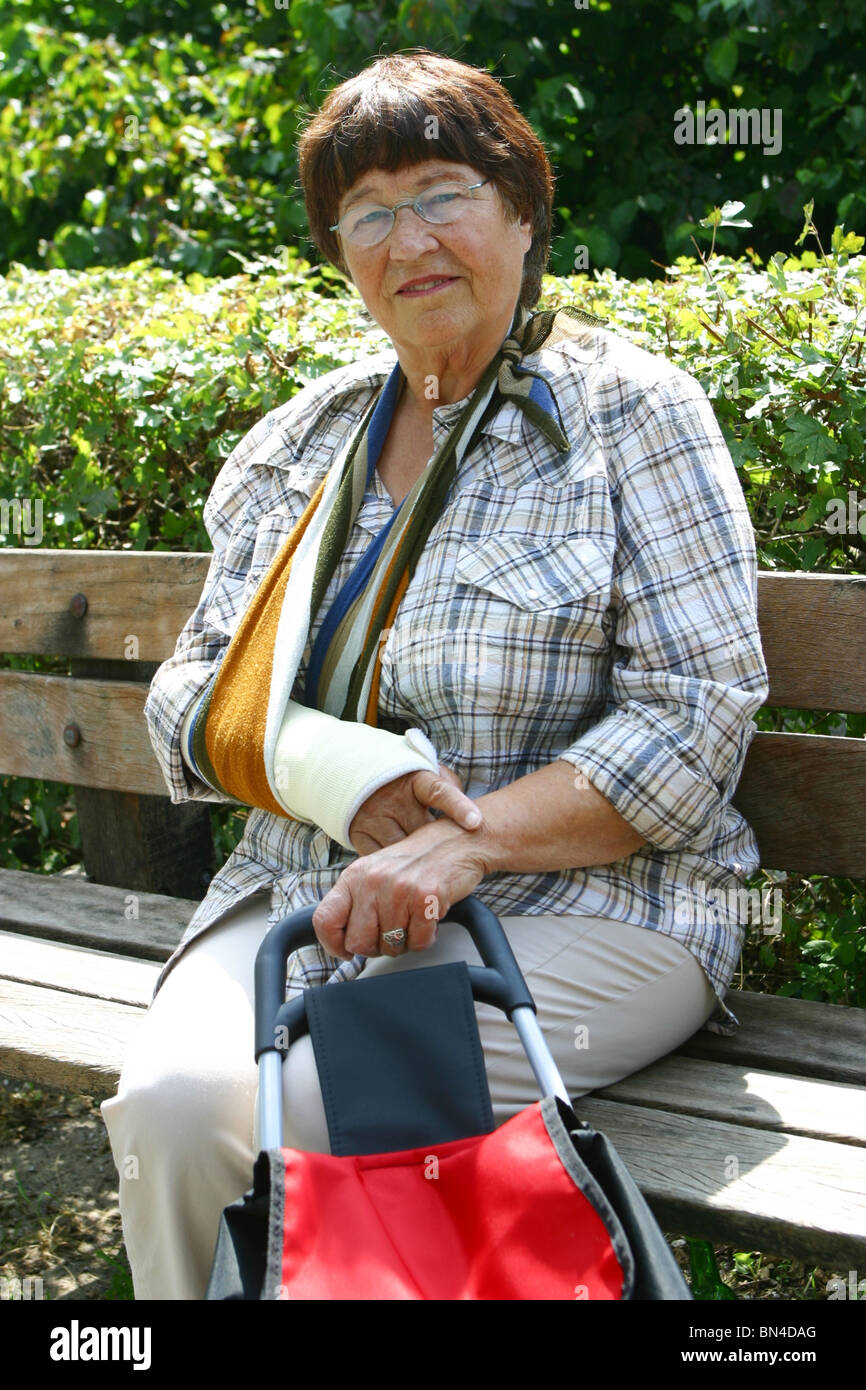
x,y
688,670
237,495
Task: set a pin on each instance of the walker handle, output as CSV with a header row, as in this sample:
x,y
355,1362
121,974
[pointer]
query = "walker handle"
x,y
500,982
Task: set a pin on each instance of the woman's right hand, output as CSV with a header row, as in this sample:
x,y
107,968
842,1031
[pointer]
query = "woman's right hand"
x,y
405,804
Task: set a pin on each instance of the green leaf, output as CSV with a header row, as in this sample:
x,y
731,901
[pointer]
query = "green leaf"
x,y
807,443
846,243
813,548
775,272
721,60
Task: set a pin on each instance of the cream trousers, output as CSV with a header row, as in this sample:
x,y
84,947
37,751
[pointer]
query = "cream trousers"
x,y
611,998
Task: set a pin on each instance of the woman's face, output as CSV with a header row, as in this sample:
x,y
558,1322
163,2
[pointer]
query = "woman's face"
x,y
482,253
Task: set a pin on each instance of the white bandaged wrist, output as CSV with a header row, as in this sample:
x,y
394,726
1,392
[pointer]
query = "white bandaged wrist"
x,y
325,768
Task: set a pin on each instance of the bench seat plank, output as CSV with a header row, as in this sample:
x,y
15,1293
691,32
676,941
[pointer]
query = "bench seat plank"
x,y
799,1197
65,1040
65,908
77,970
740,1095
827,1041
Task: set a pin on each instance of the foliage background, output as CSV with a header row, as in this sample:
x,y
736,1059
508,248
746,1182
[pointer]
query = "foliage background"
x,y
130,129
159,293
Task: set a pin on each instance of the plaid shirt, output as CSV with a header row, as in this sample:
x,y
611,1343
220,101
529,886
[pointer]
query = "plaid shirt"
x,y
598,606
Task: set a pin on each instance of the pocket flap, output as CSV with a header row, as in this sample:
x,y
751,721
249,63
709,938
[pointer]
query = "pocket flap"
x,y
536,574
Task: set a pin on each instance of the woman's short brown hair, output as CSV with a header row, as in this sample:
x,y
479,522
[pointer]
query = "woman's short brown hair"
x,y
383,118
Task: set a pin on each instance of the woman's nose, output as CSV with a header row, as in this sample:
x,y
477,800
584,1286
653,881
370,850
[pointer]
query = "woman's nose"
x,y
409,234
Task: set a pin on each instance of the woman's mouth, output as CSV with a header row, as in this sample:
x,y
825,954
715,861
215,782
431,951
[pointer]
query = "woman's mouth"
x,y
430,286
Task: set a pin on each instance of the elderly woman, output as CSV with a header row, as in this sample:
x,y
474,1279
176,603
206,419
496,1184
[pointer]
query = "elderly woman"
x,y
480,619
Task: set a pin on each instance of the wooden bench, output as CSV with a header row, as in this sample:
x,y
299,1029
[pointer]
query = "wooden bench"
x,y
759,1139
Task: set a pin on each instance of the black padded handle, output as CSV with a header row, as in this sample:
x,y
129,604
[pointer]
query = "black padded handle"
x,y
498,982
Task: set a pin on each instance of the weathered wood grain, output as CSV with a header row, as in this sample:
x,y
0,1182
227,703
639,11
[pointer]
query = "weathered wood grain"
x,y
145,925
827,1041
77,970
114,749
145,596
802,794
791,1196
133,840
813,631
64,1040
741,1095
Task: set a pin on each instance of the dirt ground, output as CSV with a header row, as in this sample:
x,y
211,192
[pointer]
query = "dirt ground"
x,y
59,1218
60,1222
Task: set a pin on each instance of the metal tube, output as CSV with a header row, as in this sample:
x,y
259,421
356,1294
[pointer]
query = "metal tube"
x,y
547,1075
271,1100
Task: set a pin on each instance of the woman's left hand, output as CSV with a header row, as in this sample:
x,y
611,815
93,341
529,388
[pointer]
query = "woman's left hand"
x,y
410,884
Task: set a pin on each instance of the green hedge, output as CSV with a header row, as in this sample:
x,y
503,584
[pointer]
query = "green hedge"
x,y
122,390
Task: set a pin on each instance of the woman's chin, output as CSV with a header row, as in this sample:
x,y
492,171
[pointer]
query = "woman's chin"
x,y
429,327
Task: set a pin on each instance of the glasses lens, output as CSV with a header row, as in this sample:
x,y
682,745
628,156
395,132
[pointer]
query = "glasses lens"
x,y
370,223
445,202
367,224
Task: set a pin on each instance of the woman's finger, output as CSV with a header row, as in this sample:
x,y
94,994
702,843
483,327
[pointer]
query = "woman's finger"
x,y
394,940
441,795
371,901
363,843
330,918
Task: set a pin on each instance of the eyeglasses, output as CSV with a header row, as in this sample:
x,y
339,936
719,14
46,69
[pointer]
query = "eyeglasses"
x,y
443,203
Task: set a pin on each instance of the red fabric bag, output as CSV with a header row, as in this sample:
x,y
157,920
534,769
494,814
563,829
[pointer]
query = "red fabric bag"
x,y
449,1221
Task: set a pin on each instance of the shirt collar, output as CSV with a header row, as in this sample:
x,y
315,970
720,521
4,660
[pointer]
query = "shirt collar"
x,y
506,424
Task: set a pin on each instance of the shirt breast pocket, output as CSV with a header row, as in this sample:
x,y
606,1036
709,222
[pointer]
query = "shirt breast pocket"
x,y
538,617
564,577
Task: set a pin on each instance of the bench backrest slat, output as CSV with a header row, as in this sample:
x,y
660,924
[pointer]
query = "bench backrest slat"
x,y
114,750
813,631
802,794
145,595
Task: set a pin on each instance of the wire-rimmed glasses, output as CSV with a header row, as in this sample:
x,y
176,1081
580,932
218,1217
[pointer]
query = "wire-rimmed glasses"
x,y
366,224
